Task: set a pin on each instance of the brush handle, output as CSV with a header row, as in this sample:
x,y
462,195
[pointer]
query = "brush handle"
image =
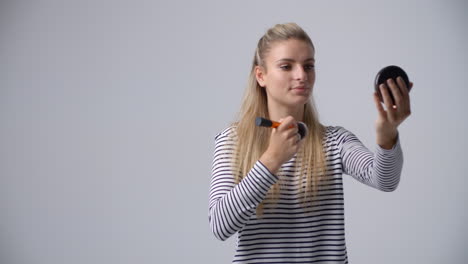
x,y
260,121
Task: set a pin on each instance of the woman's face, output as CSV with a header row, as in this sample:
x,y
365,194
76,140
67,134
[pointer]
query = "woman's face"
x,y
290,73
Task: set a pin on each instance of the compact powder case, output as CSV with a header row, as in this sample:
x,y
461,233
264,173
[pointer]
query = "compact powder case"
x,y
390,72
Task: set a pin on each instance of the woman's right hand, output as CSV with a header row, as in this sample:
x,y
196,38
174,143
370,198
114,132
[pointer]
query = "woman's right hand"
x,y
284,143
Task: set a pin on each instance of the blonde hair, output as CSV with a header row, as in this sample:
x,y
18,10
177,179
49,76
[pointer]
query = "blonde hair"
x,y
252,141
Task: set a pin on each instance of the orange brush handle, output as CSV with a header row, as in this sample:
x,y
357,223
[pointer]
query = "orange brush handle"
x,y
275,124
302,128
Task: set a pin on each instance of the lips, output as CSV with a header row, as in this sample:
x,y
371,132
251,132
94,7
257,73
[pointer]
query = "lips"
x,y
300,88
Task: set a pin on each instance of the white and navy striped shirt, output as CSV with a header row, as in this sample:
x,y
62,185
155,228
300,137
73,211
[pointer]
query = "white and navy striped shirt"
x,y
288,232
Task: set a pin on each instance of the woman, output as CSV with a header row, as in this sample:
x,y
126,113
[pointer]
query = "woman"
x,y
284,195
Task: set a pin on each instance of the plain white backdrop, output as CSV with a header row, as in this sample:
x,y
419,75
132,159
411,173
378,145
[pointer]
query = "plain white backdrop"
x,y
109,109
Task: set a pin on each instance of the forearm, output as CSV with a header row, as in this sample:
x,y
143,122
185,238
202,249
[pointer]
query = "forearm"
x,y
379,169
387,167
230,210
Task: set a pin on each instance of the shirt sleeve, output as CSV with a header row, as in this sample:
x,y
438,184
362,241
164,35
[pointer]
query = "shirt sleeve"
x,y
231,205
380,170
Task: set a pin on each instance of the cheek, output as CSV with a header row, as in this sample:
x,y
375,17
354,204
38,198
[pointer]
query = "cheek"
x,y
276,81
281,79
272,89
312,77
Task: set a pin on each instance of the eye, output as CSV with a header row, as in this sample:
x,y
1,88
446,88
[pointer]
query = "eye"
x,y
285,67
309,67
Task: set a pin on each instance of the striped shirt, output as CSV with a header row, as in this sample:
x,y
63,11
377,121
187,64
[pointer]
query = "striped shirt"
x,y
288,231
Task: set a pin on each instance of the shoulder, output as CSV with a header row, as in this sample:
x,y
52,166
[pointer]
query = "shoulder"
x,y
338,134
229,134
335,131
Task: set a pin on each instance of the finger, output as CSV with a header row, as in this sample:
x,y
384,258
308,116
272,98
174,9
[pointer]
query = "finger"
x,y
388,102
403,88
292,133
288,123
408,107
395,90
296,140
292,138
405,104
379,106
289,129
281,120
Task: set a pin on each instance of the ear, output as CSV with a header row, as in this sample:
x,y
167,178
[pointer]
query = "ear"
x,y
260,75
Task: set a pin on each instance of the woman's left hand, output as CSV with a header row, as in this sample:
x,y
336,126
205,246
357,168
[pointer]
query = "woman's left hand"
x,y
393,115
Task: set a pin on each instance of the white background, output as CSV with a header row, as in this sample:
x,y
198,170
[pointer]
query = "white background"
x,y
109,109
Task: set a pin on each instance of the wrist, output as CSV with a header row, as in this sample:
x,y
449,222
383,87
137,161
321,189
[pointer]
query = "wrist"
x,y
387,139
270,163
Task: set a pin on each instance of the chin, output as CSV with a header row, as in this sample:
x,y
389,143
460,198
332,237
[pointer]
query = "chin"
x,y
301,100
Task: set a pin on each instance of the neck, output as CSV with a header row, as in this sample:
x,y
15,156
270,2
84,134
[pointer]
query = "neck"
x,y
278,112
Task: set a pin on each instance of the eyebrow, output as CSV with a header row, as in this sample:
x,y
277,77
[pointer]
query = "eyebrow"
x,y
291,60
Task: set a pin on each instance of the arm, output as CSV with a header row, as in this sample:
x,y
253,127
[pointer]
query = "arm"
x,y
231,205
380,170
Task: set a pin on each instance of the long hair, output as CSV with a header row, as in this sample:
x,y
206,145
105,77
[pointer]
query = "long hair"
x,y
252,141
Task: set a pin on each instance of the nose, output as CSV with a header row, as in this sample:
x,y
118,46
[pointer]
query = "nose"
x,y
300,74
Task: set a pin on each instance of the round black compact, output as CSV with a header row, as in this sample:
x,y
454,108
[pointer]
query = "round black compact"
x,y
390,72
